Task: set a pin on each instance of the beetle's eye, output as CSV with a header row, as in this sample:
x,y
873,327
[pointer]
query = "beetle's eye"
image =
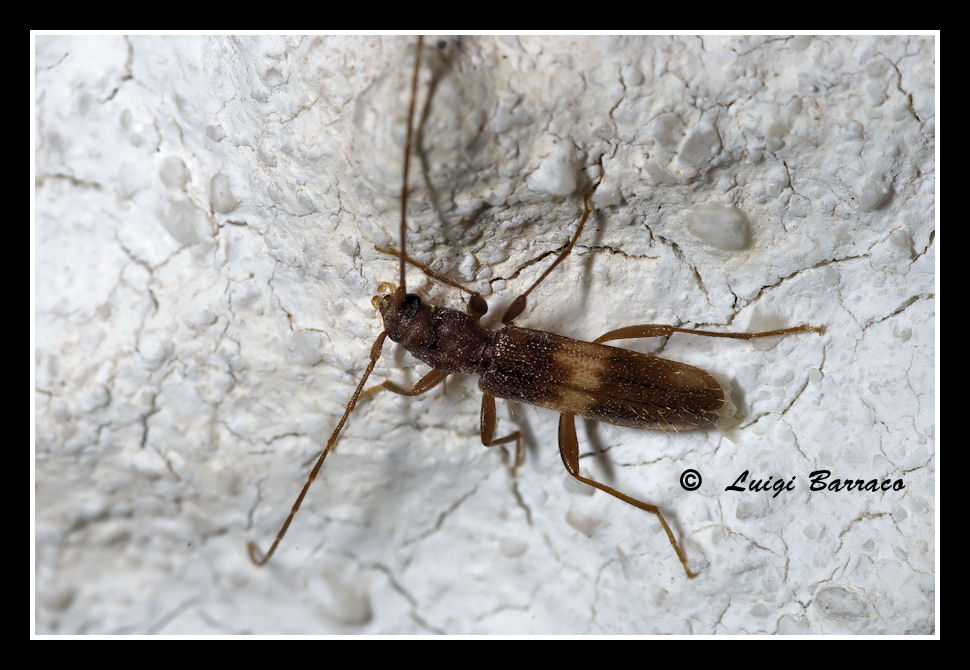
x,y
410,305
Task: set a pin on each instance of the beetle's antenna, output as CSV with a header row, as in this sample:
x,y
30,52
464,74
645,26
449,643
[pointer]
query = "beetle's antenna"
x,y
402,287
375,353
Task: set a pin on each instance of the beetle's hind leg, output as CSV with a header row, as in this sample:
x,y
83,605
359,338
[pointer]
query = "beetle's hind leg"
x,y
569,450
658,330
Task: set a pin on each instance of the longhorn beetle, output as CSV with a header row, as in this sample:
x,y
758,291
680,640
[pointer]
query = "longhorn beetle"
x,y
588,379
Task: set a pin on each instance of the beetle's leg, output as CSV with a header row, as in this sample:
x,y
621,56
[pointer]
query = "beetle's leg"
x,y
517,305
569,450
658,330
488,429
426,383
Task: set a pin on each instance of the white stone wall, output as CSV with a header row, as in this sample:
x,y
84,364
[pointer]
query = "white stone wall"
x,y
206,210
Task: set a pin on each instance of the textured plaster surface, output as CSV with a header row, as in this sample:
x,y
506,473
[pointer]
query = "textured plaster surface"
x,y
206,215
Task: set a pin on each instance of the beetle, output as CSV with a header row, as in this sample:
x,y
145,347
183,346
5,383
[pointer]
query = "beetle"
x,y
573,377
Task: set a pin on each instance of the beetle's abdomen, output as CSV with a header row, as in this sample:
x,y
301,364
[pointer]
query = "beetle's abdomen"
x,y
600,382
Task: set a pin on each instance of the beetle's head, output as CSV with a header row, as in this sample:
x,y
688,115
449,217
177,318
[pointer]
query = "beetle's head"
x,y
406,318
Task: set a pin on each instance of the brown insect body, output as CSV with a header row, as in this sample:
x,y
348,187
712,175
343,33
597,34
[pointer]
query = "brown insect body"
x,y
596,381
575,378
